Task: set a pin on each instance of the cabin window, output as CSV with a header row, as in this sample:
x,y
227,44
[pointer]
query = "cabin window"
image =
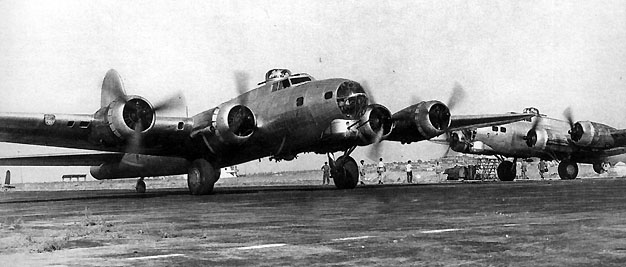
x,y
299,80
181,125
328,95
502,129
84,124
299,101
70,124
494,128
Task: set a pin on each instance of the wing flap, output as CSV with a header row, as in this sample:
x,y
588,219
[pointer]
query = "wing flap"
x,y
460,122
91,159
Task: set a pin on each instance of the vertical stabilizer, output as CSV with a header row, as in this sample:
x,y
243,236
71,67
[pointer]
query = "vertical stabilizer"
x,y
112,88
7,180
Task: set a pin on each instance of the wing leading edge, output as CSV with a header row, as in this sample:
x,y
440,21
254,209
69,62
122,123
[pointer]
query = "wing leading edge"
x,y
460,122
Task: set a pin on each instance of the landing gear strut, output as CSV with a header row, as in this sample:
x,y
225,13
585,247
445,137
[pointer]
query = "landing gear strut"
x,y
140,187
506,171
568,170
201,177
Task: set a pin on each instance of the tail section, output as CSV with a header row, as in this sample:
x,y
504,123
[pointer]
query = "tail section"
x,y
112,88
7,180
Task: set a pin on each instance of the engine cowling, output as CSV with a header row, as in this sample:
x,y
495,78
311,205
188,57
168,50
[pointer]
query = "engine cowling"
x,y
420,121
375,124
591,134
537,138
233,123
122,119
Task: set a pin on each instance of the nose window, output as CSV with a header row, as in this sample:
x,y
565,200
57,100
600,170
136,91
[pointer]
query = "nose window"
x,y
351,99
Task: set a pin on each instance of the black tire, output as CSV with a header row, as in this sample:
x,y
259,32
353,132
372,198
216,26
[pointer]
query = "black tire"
x,y
346,173
568,170
506,171
140,187
597,167
201,177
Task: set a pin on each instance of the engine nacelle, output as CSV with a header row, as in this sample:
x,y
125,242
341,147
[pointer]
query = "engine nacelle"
x,y
375,124
232,123
122,119
420,121
537,138
591,134
456,144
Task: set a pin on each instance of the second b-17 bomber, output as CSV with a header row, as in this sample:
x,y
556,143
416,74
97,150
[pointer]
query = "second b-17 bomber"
x,y
567,141
286,115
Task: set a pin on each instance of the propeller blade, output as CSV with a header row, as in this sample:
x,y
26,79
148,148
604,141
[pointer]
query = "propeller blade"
x,y
174,102
370,96
375,150
458,94
567,113
134,144
242,80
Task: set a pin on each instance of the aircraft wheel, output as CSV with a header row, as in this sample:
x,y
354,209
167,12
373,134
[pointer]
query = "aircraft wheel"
x,y
506,171
140,187
598,167
346,173
202,177
568,170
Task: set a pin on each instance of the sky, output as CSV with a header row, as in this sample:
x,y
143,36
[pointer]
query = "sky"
x,y
507,55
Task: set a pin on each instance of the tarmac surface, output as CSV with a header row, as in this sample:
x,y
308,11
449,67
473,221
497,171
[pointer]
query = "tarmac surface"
x,y
524,223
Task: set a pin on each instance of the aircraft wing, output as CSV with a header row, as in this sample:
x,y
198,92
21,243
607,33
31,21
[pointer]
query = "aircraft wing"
x,y
460,122
81,159
62,130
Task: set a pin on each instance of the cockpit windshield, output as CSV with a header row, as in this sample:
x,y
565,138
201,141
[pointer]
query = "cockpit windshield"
x,y
351,99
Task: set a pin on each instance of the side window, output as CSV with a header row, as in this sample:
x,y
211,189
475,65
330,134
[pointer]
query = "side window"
x,y
328,95
502,129
286,83
275,87
494,128
299,101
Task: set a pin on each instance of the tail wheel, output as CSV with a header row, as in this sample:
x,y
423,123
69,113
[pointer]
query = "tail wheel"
x,y
201,177
346,173
568,170
506,171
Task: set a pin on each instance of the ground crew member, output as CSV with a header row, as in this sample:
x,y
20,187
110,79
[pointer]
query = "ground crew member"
x,y
362,171
326,171
543,167
524,169
409,172
381,169
438,170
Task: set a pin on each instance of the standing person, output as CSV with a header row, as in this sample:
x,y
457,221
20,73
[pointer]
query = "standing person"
x,y
438,171
362,172
409,172
543,168
326,171
524,169
381,169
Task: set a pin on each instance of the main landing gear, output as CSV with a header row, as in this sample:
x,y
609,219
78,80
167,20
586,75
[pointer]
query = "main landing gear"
x,y
140,187
568,170
506,170
201,177
344,170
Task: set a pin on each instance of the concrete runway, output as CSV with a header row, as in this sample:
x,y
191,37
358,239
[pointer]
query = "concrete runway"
x,y
524,223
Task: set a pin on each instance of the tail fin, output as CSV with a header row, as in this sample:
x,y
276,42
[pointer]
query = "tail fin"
x,y
7,180
112,88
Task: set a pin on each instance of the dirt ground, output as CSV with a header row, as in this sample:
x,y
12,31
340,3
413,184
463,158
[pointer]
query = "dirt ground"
x,y
524,223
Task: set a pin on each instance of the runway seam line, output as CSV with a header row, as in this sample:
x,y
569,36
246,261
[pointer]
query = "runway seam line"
x,y
262,246
156,257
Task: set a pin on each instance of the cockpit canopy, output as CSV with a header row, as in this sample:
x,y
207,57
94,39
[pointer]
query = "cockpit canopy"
x,y
282,78
351,99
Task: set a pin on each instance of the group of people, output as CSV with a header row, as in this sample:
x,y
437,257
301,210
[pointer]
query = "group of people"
x,y
542,166
380,170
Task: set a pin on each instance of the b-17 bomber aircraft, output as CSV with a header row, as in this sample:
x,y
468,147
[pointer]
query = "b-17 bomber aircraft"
x,y
286,115
546,138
